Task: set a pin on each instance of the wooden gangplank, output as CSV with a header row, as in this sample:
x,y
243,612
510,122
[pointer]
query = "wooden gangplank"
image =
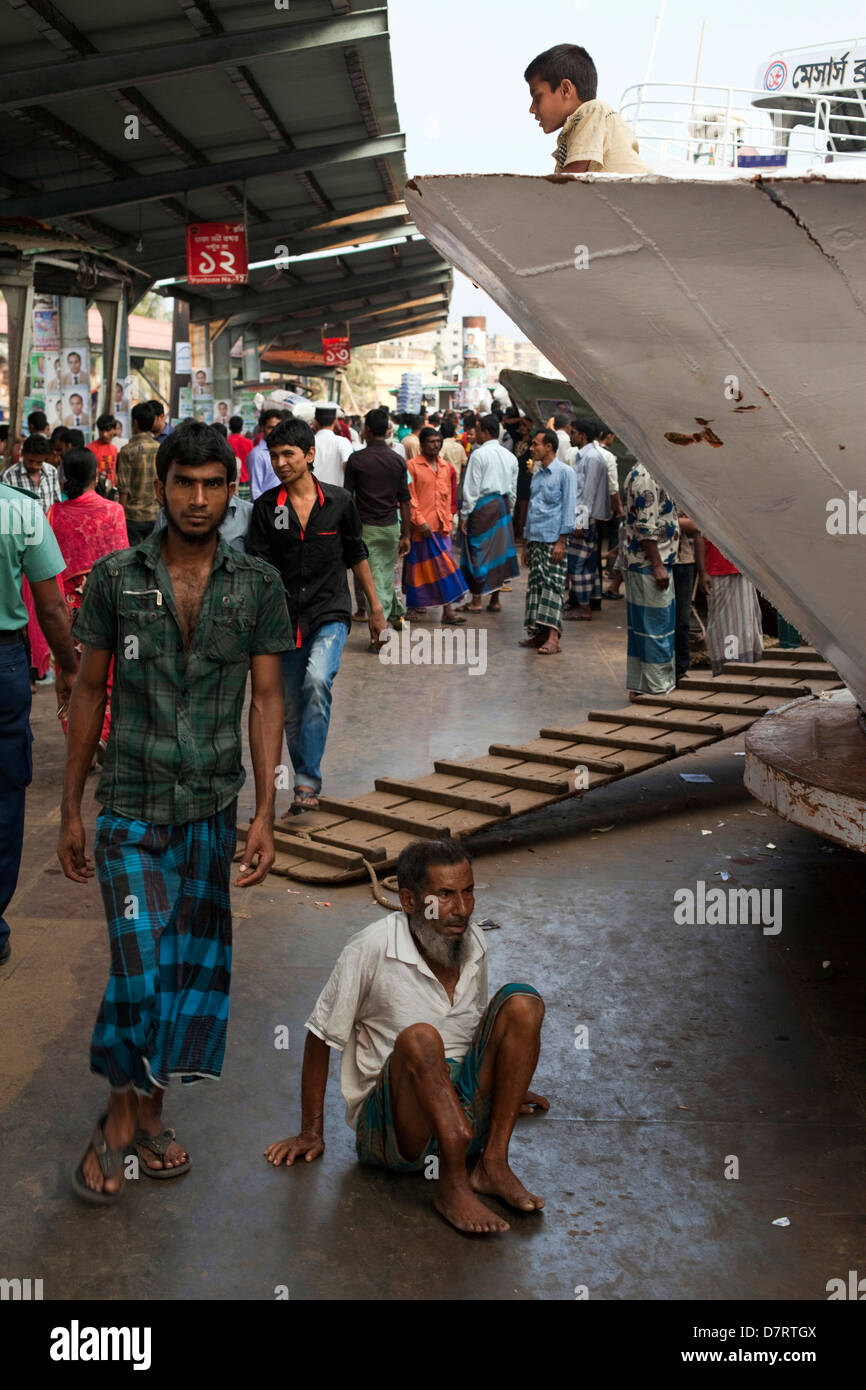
x,y
463,796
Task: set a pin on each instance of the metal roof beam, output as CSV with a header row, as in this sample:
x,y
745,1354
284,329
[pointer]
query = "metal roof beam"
x,y
293,328
253,307
151,188
79,77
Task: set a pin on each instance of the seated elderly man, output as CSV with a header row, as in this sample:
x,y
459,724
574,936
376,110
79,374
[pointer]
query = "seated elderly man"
x,y
432,1073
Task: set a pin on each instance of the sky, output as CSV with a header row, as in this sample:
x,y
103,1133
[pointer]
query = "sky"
x,y
463,103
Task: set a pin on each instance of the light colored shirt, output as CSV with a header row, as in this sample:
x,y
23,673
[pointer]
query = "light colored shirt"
x,y
261,475
490,470
595,132
234,526
564,449
610,465
47,489
332,450
412,445
27,546
593,488
650,515
380,985
396,445
453,451
552,501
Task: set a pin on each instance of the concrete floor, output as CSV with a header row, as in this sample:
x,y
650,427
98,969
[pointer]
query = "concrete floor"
x,y
704,1041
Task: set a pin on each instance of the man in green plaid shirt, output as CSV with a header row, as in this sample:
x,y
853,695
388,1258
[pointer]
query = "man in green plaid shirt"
x,y
181,619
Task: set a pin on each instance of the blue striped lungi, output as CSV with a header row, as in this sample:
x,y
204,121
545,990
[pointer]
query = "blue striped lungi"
x,y
651,614
166,894
489,556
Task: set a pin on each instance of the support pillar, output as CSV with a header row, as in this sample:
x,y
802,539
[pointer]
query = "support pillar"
x,y
17,287
112,304
221,350
252,363
74,335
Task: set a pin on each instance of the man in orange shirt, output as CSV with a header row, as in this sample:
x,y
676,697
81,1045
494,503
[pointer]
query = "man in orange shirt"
x,y
106,450
431,577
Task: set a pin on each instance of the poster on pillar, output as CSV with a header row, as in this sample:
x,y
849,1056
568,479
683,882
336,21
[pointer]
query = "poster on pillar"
x,y
46,321
216,253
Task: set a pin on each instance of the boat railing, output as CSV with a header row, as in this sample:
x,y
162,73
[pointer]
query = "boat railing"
x,y
740,127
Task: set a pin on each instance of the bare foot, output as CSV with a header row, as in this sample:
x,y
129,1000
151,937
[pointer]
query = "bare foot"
x,y
118,1134
499,1181
550,647
462,1209
174,1155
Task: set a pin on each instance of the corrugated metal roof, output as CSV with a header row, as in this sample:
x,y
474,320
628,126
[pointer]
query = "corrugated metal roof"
x,y
289,114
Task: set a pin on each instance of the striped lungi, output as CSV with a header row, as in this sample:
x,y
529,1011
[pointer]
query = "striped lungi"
x,y
545,588
734,629
166,895
489,556
582,558
430,575
651,615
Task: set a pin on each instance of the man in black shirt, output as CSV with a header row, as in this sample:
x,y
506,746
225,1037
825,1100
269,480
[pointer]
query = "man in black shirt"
x,y
376,477
311,533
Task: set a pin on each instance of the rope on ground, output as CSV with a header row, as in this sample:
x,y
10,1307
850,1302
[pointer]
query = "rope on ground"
x,y
390,882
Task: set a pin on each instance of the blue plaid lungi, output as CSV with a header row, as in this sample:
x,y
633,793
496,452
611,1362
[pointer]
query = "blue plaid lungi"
x,y
582,555
166,895
375,1138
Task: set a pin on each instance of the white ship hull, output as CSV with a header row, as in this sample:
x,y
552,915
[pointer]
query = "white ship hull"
x,y
734,311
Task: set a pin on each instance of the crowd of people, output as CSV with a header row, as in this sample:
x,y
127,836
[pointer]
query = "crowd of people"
x,y
174,575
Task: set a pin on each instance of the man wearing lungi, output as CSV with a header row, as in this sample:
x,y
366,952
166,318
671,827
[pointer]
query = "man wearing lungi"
x,y
430,575
549,522
432,1074
593,508
489,493
651,542
185,619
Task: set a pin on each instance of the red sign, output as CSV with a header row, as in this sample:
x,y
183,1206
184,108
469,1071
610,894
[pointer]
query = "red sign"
x,y
336,352
216,253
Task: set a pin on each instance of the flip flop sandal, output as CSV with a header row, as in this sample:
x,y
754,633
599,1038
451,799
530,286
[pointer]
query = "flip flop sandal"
x,y
110,1162
453,622
158,1145
494,608
304,801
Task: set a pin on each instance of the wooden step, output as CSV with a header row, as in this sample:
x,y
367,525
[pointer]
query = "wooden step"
x,y
641,745
319,853
675,700
524,781
485,805
648,721
392,819
800,670
558,757
757,687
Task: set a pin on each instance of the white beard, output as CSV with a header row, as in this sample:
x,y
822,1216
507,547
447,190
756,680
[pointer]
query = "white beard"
x,y
438,947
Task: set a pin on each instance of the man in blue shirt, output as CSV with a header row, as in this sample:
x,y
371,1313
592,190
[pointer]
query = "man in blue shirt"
x,y
549,522
262,475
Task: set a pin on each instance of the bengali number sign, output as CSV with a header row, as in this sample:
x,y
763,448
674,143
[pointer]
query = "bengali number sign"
x,y
335,352
216,253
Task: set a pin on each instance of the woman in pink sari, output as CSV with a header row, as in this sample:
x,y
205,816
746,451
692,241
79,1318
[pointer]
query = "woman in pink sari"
x,y
87,527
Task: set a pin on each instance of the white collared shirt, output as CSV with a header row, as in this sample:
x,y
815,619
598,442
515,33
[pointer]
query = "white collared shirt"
x,y
491,470
380,985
